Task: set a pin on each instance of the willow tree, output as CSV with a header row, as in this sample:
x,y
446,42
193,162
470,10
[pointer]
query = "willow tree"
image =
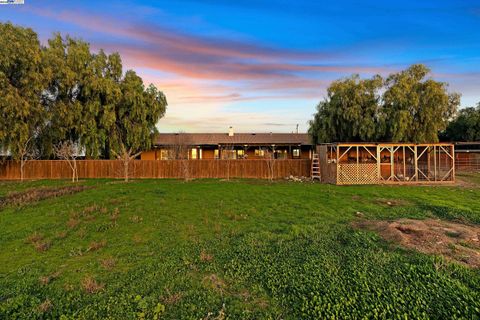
x,y
81,93
69,68
406,107
416,107
136,116
102,95
350,112
65,92
21,87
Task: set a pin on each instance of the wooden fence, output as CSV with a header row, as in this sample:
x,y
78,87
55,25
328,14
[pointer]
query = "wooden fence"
x,y
58,169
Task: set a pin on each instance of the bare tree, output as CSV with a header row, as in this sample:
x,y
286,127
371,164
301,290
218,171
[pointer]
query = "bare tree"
x,y
126,155
26,153
271,161
68,151
180,151
228,154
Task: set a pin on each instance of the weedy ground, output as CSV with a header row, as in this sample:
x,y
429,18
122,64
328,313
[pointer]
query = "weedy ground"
x,y
239,249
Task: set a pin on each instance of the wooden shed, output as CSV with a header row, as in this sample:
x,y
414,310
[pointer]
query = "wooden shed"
x,y
387,163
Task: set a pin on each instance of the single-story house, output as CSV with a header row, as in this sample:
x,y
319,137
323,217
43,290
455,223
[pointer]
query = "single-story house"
x,y
230,145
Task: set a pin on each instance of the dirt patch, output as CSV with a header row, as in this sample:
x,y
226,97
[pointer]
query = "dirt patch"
x,y
172,298
469,180
34,195
455,241
391,202
215,282
90,285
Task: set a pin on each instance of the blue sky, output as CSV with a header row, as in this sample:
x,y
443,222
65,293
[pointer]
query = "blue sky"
x,y
263,65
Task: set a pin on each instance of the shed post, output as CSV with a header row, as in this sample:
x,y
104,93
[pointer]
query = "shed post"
x,y
416,162
337,163
392,153
358,167
453,162
379,173
428,162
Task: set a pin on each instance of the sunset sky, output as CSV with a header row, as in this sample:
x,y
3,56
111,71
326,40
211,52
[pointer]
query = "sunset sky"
x,y
263,65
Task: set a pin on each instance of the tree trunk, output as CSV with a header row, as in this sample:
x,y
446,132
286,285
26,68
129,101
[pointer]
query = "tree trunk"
x,y
107,149
74,171
125,169
22,174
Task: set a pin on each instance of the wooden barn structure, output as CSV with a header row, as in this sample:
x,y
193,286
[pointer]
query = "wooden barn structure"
x,y
386,163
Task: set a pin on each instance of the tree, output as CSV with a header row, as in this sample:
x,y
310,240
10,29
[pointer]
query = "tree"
x,y
21,87
68,151
136,116
350,112
25,153
227,154
81,95
180,150
417,108
270,161
465,126
64,92
406,107
103,94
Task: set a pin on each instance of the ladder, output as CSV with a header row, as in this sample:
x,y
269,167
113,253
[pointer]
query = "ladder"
x,y
315,169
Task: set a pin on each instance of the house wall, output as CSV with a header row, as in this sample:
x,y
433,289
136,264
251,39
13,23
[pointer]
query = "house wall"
x,y
208,152
148,155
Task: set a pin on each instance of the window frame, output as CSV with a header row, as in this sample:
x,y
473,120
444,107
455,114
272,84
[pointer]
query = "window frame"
x,y
296,153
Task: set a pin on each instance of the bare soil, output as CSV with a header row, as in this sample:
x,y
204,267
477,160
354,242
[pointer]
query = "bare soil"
x,y
34,195
455,241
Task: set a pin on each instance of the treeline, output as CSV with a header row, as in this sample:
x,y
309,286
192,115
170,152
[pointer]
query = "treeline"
x,y
465,126
62,97
407,106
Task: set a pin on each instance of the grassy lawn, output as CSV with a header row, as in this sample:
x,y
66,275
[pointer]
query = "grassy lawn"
x,y
211,249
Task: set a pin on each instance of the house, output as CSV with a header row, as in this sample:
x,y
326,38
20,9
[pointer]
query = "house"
x,y
230,146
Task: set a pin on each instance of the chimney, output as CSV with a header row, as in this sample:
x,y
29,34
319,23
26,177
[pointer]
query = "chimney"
x,y
230,131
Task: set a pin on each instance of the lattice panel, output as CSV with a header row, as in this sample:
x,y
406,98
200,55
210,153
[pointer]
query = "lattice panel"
x,y
363,173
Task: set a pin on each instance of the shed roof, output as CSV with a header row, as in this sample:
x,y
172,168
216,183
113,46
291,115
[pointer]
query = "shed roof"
x,y
374,144
236,139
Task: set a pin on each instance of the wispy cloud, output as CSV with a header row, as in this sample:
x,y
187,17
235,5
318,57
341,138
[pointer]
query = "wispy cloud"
x,y
162,48
218,78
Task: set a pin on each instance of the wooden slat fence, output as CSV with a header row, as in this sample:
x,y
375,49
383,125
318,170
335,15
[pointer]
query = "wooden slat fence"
x,y
58,169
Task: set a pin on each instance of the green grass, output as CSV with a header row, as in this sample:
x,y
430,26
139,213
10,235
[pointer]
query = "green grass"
x,y
230,249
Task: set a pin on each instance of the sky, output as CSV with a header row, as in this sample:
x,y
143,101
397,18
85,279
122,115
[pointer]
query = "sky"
x,y
262,66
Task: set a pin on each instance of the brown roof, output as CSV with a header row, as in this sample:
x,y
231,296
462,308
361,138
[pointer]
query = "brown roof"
x,y
237,138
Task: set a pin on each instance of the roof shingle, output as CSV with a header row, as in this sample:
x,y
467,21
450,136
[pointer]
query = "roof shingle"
x,y
237,138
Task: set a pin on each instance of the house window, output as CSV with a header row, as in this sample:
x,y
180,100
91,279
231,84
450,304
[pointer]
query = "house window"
x,y
216,154
163,154
259,153
296,153
240,154
194,153
229,154
281,154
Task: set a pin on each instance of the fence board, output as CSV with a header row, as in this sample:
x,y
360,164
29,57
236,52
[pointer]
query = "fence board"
x,y
58,169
